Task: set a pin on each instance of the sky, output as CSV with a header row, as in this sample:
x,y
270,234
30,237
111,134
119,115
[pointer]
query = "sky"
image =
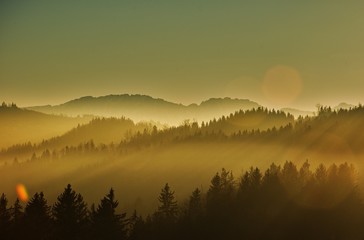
x,y
278,53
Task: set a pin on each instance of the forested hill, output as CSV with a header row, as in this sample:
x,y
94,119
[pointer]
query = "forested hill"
x,y
146,108
99,131
329,131
116,130
20,125
255,119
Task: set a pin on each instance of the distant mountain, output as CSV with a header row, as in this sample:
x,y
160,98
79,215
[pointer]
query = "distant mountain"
x,y
22,125
146,108
296,112
345,106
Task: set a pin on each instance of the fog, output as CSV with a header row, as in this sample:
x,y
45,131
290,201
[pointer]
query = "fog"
x,y
138,159
138,177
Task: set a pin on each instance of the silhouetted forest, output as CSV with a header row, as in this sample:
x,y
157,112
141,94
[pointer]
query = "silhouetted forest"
x,y
284,202
325,132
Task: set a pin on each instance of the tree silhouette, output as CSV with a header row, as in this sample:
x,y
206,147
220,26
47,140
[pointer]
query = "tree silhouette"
x,y
214,192
167,205
4,217
37,221
17,219
106,223
220,204
137,228
17,211
323,205
192,224
70,215
163,224
195,205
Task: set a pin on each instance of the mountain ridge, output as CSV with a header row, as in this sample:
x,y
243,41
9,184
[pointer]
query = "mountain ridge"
x,y
146,108
19,125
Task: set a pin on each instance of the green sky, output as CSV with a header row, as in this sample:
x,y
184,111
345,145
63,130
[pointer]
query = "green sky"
x,y
183,51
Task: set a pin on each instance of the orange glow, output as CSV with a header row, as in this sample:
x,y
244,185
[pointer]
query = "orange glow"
x,y
282,85
22,193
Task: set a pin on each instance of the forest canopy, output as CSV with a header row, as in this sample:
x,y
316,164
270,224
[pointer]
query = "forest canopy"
x,y
283,202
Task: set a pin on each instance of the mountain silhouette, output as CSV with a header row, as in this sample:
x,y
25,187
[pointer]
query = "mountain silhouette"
x,y
146,108
345,106
21,125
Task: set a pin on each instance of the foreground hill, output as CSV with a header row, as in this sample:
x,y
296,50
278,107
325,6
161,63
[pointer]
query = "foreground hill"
x,y
21,125
146,108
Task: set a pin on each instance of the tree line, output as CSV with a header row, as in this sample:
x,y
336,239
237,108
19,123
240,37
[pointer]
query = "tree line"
x,y
259,125
284,202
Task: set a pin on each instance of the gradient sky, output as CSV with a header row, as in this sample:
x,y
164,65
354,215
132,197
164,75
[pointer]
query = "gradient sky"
x,y
278,53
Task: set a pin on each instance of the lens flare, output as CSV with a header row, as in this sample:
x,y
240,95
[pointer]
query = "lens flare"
x,y
282,85
22,193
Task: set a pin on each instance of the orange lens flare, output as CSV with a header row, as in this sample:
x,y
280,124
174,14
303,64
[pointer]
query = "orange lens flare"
x,y
22,193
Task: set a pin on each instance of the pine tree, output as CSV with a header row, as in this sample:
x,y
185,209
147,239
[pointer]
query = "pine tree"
x,y
106,223
137,228
214,195
216,185
17,219
4,217
37,221
195,204
70,214
17,211
168,206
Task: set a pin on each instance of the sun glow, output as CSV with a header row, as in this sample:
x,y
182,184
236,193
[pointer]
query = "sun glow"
x,y
282,85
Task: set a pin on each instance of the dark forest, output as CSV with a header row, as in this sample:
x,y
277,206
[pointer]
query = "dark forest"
x,y
283,202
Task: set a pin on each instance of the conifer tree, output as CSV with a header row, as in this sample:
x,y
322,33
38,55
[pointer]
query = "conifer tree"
x,y
195,204
70,214
17,211
106,223
16,219
168,206
137,228
37,222
4,217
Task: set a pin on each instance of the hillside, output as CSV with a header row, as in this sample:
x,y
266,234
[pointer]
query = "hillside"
x,y
98,131
145,108
21,125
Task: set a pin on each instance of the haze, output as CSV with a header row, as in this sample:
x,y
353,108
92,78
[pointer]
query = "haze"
x,y
185,52
209,119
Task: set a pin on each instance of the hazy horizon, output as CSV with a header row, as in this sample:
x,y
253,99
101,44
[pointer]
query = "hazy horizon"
x,y
308,108
281,54
282,158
